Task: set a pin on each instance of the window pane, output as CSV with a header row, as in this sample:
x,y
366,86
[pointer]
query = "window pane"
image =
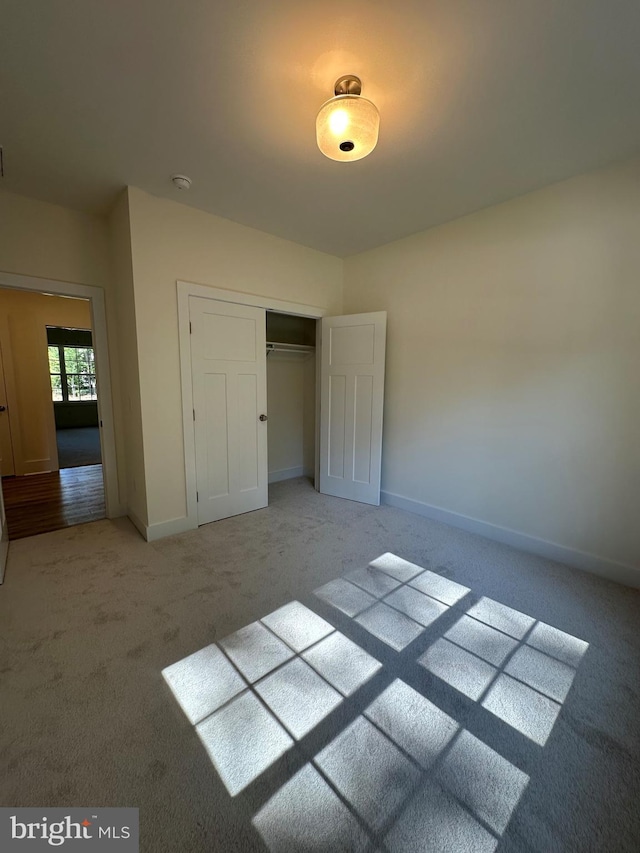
x,y
54,360
79,360
81,386
88,387
71,360
72,386
73,383
56,388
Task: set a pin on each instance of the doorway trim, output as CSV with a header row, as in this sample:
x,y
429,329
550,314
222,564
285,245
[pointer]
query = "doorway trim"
x,y
95,295
186,289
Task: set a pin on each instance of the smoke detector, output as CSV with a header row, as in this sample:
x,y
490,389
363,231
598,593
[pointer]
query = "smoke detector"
x,y
181,182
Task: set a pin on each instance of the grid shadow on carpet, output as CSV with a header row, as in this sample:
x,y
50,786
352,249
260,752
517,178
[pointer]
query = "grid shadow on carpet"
x,y
406,709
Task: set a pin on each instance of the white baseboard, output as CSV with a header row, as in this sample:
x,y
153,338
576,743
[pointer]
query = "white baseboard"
x,y
140,527
161,529
169,528
619,572
286,474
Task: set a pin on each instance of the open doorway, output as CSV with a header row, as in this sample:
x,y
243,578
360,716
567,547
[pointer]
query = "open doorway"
x,y
94,297
51,456
72,368
291,396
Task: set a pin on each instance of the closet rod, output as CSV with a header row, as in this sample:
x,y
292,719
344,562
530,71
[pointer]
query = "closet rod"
x,y
301,348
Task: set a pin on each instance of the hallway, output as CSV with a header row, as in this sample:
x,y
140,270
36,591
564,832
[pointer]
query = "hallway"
x,y
40,503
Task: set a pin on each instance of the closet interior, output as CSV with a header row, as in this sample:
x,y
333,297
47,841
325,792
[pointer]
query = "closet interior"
x,y
291,396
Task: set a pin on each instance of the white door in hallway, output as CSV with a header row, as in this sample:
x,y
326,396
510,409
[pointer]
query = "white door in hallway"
x,y
352,398
228,363
7,467
4,538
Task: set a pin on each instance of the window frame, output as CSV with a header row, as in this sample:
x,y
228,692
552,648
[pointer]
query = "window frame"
x,y
65,341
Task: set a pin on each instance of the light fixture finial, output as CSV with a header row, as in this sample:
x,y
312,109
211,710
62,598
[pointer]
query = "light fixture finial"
x,y
348,85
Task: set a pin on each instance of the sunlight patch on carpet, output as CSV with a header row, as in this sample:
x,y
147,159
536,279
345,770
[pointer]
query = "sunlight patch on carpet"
x,y
242,740
298,697
344,664
381,761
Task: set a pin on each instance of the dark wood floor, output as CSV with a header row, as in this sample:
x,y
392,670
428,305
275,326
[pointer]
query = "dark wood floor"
x,y
43,502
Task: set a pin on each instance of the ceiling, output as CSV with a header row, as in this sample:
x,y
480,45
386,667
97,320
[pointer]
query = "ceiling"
x,y
480,101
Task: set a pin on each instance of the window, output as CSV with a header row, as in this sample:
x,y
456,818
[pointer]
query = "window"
x,y
72,368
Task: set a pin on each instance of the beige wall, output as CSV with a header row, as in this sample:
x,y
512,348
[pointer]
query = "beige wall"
x,y
23,337
291,407
134,483
171,241
513,379
48,241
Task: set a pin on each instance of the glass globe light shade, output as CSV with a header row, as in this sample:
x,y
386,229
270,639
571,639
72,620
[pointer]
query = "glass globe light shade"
x,y
347,128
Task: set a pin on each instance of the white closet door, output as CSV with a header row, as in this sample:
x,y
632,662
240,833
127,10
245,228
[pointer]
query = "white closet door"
x,y
352,398
228,360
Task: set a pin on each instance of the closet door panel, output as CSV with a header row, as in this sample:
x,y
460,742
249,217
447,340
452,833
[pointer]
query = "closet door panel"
x,y
228,361
362,425
351,405
214,462
337,424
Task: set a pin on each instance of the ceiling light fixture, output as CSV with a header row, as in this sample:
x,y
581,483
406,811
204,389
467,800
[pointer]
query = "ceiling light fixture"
x,y
347,125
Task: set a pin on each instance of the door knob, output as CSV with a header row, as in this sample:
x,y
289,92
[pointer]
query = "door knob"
x,y
263,417
3,408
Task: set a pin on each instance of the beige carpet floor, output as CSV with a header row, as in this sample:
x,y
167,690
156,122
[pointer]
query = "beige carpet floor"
x,y
489,703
